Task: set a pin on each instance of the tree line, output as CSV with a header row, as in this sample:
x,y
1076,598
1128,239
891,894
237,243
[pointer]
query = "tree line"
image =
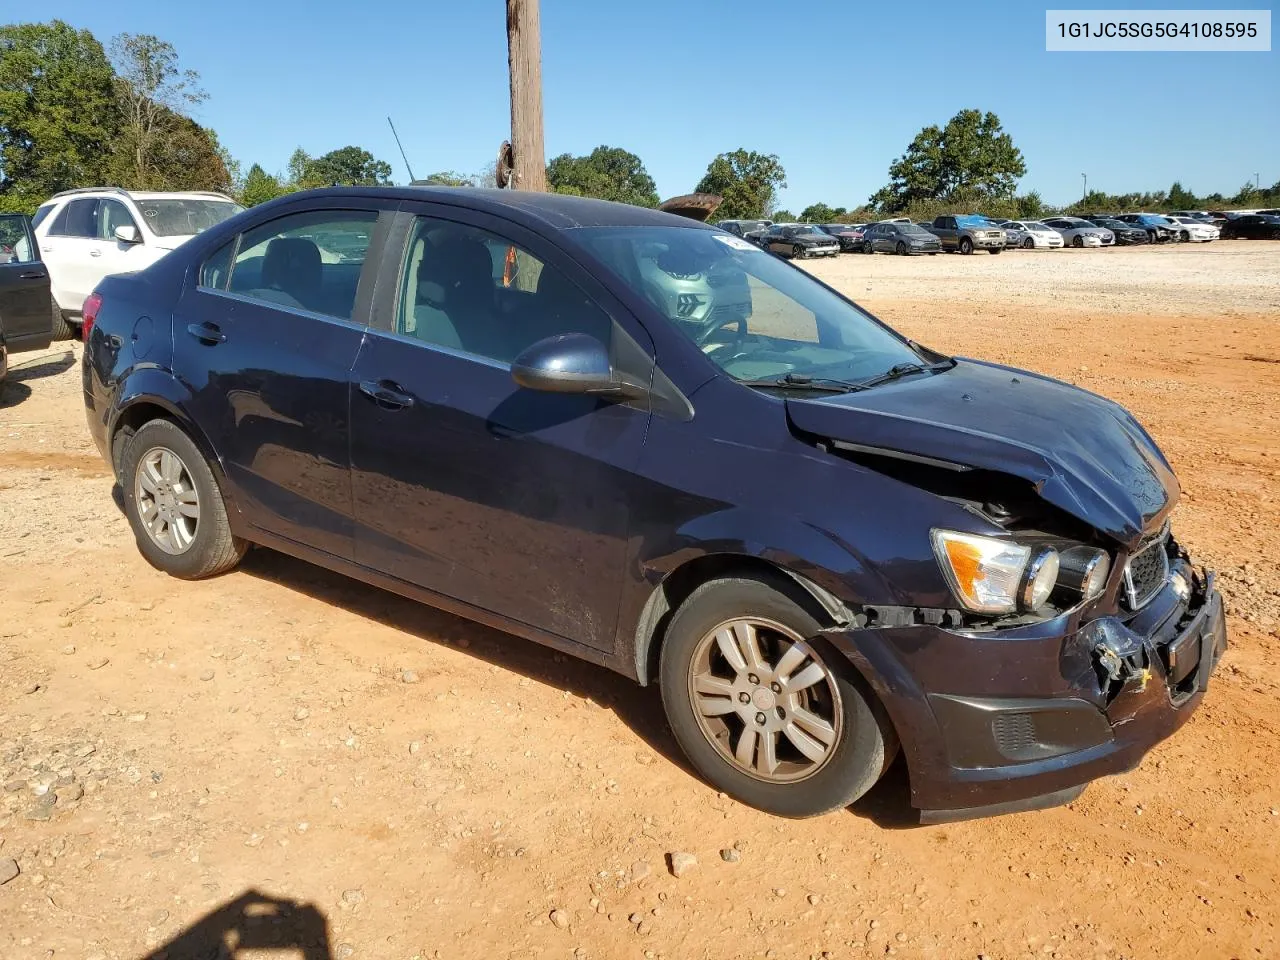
x,y
73,114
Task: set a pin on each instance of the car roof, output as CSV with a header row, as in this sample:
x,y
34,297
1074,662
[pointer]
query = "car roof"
x,y
556,210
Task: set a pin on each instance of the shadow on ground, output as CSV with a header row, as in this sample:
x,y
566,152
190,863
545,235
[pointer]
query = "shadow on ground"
x,y
640,708
252,921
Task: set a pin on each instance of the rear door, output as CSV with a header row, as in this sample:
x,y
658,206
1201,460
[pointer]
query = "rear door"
x,y
514,501
73,252
265,336
26,314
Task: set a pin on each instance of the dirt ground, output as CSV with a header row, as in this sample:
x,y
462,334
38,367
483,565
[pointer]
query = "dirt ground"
x,y
290,759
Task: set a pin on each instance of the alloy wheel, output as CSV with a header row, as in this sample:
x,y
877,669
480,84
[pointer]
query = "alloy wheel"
x,y
168,502
765,700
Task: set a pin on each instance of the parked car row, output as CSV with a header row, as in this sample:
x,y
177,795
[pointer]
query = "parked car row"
x,y
965,233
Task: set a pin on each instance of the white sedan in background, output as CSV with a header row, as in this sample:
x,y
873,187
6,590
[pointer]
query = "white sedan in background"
x,y
1192,230
1032,235
1081,233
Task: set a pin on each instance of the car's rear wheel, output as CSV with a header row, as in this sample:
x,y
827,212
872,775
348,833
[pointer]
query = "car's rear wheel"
x,y
59,326
779,721
966,246
174,505
1028,244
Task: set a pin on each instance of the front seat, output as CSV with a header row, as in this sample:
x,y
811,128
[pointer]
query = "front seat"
x,y
291,267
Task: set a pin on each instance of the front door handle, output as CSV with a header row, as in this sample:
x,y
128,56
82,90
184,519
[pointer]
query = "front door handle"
x,y
207,333
95,253
386,394
32,275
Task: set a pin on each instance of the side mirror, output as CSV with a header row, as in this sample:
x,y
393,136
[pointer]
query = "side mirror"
x,y
128,234
568,363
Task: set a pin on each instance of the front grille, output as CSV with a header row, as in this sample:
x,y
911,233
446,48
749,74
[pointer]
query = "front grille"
x,y
1147,570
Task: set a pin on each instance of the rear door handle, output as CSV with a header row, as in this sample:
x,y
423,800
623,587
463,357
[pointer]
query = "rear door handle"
x,y
95,253
386,394
32,275
207,333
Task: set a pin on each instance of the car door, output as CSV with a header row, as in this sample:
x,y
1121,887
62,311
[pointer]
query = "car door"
x,y
72,252
510,500
116,255
26,314
265,335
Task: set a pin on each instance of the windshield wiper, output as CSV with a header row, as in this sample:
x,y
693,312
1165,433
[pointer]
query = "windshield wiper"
x,y
899,370
798,381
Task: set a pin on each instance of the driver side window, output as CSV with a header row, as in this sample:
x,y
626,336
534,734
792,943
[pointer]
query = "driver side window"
x,y
472,290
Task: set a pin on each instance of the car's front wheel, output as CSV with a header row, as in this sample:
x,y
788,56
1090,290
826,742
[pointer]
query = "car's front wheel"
x,y
174,505
1028,244
59,327
966,246
797,252
763,711
902,249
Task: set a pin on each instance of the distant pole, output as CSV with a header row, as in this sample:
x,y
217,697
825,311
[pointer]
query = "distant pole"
x,y
524,57
1257,184
1084,194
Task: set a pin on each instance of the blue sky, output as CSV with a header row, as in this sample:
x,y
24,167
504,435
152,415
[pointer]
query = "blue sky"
x,y
836,89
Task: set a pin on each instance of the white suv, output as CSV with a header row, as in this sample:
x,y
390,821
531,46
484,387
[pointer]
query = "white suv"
x,y
84,235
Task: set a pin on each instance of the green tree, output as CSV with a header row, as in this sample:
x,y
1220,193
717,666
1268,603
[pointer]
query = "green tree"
x,y
1247,196
346,167
259,187
778,216
299,163
446,178
1181,199
821,213
57,112
748,181
153,93
188,158
608,173
971,159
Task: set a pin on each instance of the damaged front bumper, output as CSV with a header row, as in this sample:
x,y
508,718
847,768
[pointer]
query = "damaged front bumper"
x,y
1023,717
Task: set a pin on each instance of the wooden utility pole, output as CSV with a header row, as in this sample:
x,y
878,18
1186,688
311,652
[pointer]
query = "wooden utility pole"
x,y
524,56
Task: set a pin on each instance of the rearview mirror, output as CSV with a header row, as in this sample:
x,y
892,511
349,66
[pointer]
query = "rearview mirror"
x,y
568,363
128,234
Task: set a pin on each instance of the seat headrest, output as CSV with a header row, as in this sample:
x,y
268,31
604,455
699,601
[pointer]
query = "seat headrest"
x,y
292,264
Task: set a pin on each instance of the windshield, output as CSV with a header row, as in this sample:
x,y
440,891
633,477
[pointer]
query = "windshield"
x,y
754,315
182,217
1040,227
911,230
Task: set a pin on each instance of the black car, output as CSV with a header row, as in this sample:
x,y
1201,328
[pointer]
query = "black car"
x,y
799,241
753,230
846,234
900,238
818,537
1126,233
1253,226
1159,228
26,305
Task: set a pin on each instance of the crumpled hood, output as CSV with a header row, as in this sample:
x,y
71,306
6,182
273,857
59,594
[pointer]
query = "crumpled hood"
x,y
1084,454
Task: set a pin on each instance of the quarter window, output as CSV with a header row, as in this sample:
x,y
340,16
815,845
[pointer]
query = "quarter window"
x,y
306,261
468,289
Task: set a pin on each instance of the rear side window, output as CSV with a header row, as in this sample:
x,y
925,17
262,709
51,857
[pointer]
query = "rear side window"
x,y
59,226
78,219
306,261
41,214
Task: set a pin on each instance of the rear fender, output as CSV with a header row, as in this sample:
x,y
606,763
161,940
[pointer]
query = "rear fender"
x,y
152,392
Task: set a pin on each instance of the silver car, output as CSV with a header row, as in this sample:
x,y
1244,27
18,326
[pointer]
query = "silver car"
x,y
701,292
1032,235
1081,233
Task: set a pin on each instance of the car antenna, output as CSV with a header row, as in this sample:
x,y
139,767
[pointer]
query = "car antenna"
x,y
412,178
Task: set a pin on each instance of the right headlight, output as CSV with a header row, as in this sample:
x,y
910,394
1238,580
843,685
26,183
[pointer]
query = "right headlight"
x,y
991,575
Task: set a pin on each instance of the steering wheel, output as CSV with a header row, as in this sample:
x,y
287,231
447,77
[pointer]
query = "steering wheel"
x,y
719,323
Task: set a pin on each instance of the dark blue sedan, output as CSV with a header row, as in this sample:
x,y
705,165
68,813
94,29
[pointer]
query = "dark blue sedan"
x,y
649,444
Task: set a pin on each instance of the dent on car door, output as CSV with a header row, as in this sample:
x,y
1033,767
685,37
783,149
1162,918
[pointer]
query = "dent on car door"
x,y
265,336
26,315
507,499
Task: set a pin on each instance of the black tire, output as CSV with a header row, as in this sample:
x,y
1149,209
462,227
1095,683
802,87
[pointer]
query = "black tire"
x,y
867,247
866,743
1028,243
995,250
214,549
60,328
797,252
902,249
966,246
1077,242
1185,236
